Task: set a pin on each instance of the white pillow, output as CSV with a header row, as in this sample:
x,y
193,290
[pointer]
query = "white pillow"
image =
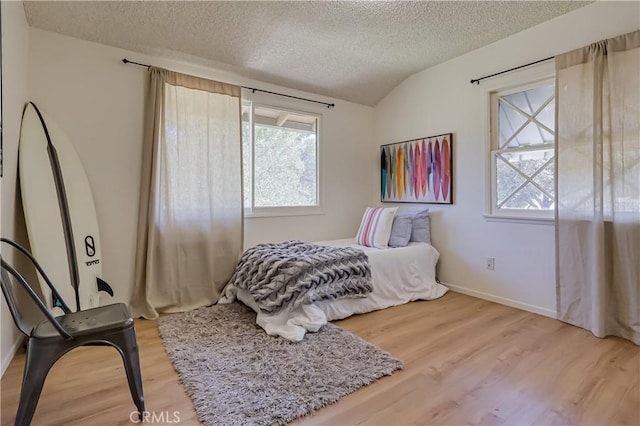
x,y
375,227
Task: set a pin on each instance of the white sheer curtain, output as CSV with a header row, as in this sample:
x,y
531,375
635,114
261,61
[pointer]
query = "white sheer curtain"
x,y
598,187
190,222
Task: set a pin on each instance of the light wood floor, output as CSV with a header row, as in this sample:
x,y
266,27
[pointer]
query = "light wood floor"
x,y
467,361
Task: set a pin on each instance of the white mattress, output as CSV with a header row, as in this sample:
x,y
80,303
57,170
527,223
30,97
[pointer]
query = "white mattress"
x,y
399,275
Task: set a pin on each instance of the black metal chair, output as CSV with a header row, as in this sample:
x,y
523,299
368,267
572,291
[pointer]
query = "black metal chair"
x,y
50,339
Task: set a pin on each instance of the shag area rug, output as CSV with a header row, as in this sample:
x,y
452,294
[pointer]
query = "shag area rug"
x,y
236,374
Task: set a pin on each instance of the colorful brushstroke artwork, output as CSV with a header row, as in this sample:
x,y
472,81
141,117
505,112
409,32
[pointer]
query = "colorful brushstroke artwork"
x,y
417,171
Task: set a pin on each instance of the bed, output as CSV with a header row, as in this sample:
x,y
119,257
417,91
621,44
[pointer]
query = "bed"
x,y
398,275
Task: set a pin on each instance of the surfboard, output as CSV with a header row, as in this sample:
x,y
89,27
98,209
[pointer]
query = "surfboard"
x,y
425,168
383,173
417,165
446,169
389,172
410,171
400,172
59,212
437,170
394,172
429,167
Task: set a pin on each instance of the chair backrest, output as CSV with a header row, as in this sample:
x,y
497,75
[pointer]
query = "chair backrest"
x,y
11,297
12,281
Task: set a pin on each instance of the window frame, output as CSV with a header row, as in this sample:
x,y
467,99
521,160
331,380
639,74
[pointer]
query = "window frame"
x,y
275,211
522,80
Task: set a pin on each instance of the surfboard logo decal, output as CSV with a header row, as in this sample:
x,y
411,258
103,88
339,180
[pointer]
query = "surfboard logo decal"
x,y
57,303
90,246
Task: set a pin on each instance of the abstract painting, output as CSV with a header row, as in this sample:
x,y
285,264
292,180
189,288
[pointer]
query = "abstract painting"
x,y
417,171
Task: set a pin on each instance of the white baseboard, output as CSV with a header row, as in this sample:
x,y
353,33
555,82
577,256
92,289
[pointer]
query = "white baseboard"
x,y
12,352
503,301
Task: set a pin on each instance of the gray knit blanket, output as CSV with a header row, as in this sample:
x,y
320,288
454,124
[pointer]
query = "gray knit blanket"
x,y
293,273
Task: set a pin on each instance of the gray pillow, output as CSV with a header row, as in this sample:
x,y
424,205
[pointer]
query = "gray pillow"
x,y
421,228
420,224
400,231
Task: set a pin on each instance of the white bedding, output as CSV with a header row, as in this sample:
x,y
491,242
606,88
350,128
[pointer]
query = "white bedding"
x,y
399,275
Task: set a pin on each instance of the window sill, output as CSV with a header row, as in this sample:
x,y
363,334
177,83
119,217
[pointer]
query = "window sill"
x,y
278,212
548,221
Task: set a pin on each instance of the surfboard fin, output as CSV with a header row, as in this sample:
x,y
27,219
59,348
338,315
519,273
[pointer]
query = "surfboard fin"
x,y
103,286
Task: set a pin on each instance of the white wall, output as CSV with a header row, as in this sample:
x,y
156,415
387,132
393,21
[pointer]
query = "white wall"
x,y
15,41
99,102
441,100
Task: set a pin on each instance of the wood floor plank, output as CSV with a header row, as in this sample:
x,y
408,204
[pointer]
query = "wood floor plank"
x,y
466,361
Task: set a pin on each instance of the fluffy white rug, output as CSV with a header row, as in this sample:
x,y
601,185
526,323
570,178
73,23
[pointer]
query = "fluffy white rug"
x,y
236,374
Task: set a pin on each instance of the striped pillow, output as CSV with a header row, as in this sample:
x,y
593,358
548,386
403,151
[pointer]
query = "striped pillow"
x,y
375,228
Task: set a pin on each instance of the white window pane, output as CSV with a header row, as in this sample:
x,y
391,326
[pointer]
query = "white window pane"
x,y
509,122
278,118
531,135
529,198
546,179
285,167
547,115
531,100
528,163
518,99
519,108
507,180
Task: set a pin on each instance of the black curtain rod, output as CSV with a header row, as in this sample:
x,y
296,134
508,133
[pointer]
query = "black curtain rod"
x,y
253,89
478,80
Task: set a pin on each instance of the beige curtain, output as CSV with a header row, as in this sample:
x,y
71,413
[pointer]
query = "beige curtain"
x,y
598,187
190,220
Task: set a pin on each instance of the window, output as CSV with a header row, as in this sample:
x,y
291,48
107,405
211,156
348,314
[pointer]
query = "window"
x,y
522,151
280,160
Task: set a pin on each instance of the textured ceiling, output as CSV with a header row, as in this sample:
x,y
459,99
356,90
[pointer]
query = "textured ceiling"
x,y
356,51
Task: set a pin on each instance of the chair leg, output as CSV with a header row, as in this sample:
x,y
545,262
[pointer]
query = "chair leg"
x,y
128,345
37,366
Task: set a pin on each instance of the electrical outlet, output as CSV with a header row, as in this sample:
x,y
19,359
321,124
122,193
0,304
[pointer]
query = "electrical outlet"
x,y
491,263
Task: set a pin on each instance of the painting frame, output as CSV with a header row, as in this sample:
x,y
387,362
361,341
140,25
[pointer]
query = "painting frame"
x,y
417,170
